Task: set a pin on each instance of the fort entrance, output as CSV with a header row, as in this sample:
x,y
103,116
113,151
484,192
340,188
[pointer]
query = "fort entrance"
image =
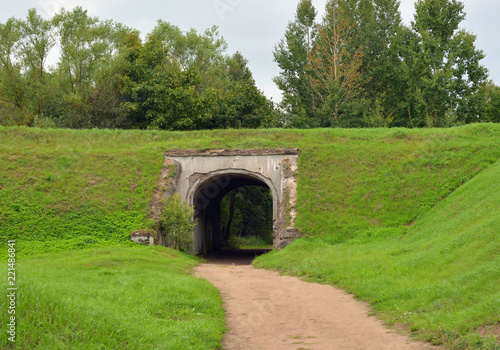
x,y
204,177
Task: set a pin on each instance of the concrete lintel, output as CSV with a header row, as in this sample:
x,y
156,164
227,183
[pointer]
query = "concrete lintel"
x,y
231,152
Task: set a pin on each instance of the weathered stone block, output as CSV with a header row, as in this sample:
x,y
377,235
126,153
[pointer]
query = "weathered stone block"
x,y
143,237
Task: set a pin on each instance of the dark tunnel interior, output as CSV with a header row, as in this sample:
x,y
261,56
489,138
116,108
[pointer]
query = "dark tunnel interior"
x,y
209,238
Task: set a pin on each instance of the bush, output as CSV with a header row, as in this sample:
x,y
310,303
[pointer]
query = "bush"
x,y
177,224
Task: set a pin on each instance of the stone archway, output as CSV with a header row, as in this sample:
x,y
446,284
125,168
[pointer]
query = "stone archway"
x,y
206,199
203,178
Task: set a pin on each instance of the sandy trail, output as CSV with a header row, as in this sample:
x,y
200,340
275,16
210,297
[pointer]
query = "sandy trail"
x,y
268,311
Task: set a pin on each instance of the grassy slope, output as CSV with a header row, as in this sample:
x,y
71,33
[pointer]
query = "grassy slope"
x,y
66,190
440,276
114,298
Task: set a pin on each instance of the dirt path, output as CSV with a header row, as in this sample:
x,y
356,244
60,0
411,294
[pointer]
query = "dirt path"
x,y
268,311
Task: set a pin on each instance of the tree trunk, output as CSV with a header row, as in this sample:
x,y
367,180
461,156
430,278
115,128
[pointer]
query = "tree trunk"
x,y
232,200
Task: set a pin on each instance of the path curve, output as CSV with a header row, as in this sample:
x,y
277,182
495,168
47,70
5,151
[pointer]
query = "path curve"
x,y
267,311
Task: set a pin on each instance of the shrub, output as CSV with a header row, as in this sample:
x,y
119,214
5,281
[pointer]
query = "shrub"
x,y
177,224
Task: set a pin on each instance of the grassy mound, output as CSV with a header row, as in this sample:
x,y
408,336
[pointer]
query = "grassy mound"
x,y
70,192
73,189
439,277
114,298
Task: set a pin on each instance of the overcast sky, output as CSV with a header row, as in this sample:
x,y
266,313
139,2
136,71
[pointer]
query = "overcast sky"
x,y
252,27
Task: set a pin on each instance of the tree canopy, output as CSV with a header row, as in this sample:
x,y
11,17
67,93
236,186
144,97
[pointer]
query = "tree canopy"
x,y
106,76
357,66
360,66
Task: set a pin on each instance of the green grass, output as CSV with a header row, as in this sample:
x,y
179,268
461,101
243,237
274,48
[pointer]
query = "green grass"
x,y
359,191
70,189
114,298
440,277
249,242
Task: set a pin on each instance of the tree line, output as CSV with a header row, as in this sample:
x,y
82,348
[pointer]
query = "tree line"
x,y
107,77
361,66
358,66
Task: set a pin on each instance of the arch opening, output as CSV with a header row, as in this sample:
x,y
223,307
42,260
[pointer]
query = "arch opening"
x,y
247,218
211,231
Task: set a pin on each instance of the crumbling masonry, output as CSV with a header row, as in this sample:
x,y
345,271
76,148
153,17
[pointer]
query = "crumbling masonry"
x,y
204,177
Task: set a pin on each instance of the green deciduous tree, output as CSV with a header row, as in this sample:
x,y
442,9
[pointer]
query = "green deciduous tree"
x,y
185,81
292,54
106,77
83,90
378,23
334,68
160,86
34,48
441,67
25,46
361,67
12,83
491,95
86,74
364,30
